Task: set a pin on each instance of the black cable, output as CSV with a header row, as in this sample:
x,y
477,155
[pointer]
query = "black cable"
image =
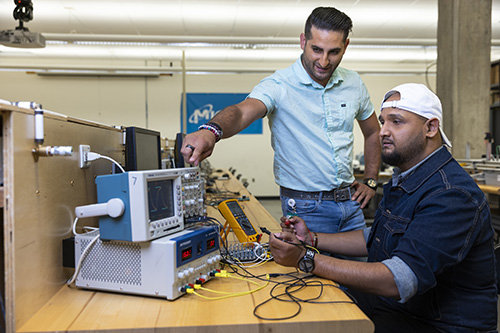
x,y
293,285
280,318
292,288
279,298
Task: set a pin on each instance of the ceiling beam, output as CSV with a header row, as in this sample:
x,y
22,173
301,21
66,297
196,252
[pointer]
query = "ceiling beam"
x,y
228,39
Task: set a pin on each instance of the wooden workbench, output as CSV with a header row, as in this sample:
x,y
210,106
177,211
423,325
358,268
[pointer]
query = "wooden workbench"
x,y
493,194
82,310
490,189
39,198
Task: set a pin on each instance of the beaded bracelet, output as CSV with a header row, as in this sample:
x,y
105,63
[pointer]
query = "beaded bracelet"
x,y
217,126
214,128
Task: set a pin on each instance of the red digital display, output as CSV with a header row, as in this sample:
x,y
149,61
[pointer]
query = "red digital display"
x,y
187,253
210,243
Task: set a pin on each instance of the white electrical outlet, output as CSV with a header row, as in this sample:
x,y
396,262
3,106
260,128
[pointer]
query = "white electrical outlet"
x,y
84,162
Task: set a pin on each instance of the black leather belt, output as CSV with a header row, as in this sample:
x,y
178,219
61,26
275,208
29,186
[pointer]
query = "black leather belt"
x,y
337,195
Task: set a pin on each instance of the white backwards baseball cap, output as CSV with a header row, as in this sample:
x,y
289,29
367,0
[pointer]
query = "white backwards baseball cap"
x,y
417,98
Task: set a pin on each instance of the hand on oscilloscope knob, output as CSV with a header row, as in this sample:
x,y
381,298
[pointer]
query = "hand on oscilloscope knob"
x,y
197,146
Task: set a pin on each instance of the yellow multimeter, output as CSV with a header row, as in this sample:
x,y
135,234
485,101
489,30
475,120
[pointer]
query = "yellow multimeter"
x,y
237,221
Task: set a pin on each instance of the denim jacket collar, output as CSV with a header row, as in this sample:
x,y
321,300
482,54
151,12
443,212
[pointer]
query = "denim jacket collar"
x,y
426,170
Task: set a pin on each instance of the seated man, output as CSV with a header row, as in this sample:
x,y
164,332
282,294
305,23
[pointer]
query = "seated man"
x,y
430,250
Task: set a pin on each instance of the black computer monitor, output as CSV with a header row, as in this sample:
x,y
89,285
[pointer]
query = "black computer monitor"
x,y
178,158
142,149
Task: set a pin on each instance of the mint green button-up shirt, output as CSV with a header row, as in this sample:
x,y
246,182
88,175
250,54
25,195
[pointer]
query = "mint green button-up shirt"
x,y
312,126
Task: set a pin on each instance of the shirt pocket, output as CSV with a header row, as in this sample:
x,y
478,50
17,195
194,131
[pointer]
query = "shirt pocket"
x,y
395,227
340,115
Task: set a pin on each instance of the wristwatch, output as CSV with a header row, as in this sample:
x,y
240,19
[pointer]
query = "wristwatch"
x,y
371,183
306,264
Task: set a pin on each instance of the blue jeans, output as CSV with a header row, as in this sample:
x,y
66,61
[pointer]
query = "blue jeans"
x,y
327,215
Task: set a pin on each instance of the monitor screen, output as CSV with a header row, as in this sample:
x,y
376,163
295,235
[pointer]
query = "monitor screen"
x,y
160,199
142,149
178,158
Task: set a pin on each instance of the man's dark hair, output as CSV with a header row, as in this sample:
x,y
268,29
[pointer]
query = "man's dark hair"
x,y
330,19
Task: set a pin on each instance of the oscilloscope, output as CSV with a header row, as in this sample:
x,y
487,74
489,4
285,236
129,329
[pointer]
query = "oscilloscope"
x,y
152,200
139,206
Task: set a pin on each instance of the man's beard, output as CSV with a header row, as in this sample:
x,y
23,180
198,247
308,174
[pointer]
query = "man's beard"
x,y
401,156
393,158
310,66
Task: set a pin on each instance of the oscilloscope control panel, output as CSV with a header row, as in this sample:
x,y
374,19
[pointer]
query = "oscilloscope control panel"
x,y
192,193
160,268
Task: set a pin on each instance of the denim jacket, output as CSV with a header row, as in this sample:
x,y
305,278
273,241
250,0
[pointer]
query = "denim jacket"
x,y
437,221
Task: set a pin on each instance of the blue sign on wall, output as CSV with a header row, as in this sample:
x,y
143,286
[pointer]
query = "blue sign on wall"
x,y
202,107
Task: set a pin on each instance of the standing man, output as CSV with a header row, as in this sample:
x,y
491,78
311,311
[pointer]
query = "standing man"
x,y
311,107
431,264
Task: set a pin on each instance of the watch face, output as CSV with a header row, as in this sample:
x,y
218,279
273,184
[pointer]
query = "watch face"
x,y
306,264
372,183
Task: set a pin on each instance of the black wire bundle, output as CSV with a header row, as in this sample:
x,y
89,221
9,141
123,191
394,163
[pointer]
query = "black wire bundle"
x,y
292,286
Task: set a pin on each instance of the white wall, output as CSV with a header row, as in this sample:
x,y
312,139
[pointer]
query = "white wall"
x,y
155,103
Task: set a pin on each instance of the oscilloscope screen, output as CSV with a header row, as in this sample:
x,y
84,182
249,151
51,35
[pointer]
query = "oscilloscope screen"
x,y
161,199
